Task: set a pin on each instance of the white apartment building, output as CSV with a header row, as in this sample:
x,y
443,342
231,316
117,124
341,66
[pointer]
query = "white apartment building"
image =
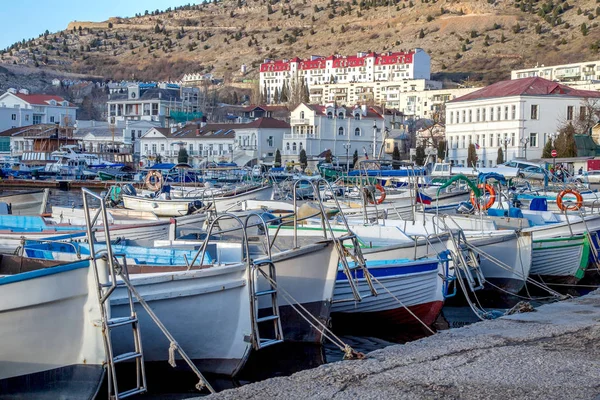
x,y
583,75
18,109
517,115
163,103
240,143
364,67
341,130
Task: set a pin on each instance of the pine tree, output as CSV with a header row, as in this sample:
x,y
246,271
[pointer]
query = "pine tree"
x,y
547,152
182,156
354,158
500,158
420,155
471,156
303,159
276,96
285,96
277,158
441,150
565,142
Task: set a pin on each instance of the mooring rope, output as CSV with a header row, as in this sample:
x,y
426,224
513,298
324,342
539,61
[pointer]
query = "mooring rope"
x,y
349,352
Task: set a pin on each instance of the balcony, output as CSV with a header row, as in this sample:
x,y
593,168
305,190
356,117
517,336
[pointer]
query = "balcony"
x,y
299,136
299,121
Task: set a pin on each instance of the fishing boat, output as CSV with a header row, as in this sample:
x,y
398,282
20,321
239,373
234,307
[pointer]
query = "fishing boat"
x,y
26,203
402,285
162,207
51,341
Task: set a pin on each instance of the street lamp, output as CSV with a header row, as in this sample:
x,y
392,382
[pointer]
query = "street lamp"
x,y
505,141
525,142
347,146
374,139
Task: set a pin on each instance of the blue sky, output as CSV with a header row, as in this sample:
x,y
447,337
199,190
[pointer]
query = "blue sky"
x,y
26,19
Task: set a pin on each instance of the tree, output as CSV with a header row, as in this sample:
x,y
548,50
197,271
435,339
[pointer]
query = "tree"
x,y
285,96
441,150
110,25
396,155
565,142
354,158
303,159
588,116
471,156
420,155
500,158
547,152
276,96
277,158
182,156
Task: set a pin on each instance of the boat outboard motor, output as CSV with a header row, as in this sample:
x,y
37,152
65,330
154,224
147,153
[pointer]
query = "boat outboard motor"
x,y
195,206
128,189
465,207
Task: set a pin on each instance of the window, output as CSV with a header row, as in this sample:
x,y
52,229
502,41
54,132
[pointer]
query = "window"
x,y
505,112
139,133
513,112
341,115
154,148
51,119
478,115
533,139
294,147
154,108
451,117
300,146
287,146
569,113
534,111
13,117
470,115
301,114
357,132
491,140
483,114
146,148
463,117
357,116
581,113
270,141
498,113
341,131
162,147
329,115
512,139
491,113
26,117
463,142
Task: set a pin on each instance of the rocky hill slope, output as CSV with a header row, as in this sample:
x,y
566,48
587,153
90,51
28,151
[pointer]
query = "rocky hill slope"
x,y
476,40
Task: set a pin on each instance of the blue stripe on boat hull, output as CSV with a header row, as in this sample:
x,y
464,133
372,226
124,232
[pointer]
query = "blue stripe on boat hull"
x,y
392,270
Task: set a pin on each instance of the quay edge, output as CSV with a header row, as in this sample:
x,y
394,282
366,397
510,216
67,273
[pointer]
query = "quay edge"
x,y
551,353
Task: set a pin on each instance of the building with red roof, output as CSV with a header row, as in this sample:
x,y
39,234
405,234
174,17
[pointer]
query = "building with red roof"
x,y
520,116
20,108
278,75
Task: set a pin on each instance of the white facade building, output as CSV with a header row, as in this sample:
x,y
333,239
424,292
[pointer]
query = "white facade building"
x,y
518,115
583,75
341,130
18,109
152,102
364,67
239,143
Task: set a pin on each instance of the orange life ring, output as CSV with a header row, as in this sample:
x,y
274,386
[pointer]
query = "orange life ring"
x,y
486,189
573,207
154,180
381,197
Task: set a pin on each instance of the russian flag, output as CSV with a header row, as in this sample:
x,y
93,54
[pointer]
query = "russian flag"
x,y
477,146
423,198
366,154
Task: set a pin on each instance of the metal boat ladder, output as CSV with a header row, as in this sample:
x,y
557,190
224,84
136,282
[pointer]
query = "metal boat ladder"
x,y
262,275
467,261
353,252
107,275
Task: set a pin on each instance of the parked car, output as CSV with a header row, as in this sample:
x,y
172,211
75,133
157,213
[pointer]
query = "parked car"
x,y
528,170
588,177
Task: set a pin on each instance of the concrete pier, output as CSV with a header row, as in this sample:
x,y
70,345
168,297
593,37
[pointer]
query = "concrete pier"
x,y
552,353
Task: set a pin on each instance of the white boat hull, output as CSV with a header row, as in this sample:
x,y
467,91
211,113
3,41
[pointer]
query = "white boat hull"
x,y
29,203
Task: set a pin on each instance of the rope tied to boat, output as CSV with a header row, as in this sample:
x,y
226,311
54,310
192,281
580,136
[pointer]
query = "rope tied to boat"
x,y
521,307
172,349
351,354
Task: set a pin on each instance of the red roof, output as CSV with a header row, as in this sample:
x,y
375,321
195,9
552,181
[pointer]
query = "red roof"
x,y
41,99
533,86
339,62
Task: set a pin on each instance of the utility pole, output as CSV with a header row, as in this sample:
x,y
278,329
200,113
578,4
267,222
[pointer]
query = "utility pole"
x,y
374,139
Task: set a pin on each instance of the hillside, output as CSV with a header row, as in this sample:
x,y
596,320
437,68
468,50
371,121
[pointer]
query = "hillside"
x,y
467,39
